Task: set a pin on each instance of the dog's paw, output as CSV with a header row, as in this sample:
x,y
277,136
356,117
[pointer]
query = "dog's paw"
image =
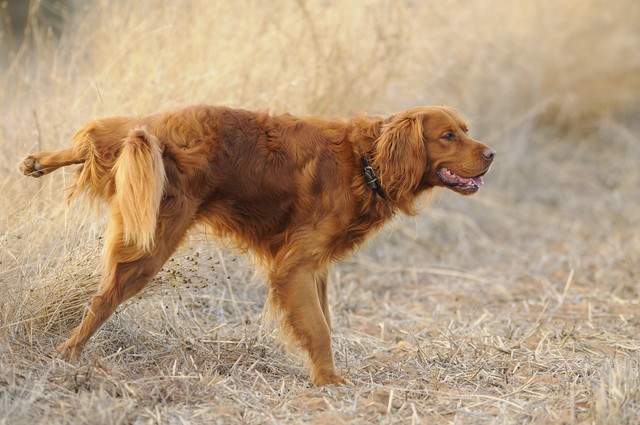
x,y
31,166
68,352
329,379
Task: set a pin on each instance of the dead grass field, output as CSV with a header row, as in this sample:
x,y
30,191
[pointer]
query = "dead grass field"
x,y
518,305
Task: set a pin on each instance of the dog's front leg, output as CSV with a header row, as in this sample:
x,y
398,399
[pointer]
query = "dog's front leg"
x,y
295,294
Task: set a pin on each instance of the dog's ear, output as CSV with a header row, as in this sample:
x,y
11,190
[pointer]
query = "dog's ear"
x,y
400,158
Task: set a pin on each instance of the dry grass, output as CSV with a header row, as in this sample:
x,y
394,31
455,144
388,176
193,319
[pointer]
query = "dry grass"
x,y
518,305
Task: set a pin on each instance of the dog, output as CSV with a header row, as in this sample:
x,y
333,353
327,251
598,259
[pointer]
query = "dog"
x,y
298,192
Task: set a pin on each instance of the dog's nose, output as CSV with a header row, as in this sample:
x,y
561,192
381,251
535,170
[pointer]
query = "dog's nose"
x,y
489,154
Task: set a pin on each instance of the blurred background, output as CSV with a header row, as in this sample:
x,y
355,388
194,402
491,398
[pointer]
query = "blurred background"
x,y
552,85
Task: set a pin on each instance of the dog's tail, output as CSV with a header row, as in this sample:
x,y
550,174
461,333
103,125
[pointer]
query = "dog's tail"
x,y
139,178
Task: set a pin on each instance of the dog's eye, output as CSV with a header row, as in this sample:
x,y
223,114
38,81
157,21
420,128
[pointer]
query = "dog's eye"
x,y
449,137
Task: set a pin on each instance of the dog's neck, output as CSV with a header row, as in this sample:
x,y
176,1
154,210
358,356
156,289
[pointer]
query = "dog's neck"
x,y
370,177
364,132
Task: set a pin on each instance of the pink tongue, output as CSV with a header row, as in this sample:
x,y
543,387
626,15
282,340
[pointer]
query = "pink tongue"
x,y
477,180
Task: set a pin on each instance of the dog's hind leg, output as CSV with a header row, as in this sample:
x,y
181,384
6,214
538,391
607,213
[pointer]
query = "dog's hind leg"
x,y
42,163
127,270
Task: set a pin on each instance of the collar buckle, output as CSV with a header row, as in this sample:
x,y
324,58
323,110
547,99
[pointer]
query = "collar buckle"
x,y
370,177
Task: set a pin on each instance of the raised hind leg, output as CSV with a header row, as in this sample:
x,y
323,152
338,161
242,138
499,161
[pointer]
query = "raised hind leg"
x,y
42,163
127,271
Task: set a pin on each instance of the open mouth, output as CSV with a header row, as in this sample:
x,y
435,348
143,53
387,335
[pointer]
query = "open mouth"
x,y
464,185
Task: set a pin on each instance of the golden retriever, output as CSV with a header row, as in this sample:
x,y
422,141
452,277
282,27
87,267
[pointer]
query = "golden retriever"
x,y
298,192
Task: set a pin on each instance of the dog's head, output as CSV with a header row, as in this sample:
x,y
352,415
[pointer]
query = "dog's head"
x,y
426,147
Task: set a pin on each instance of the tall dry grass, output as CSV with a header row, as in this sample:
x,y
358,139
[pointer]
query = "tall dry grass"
x,y
517,305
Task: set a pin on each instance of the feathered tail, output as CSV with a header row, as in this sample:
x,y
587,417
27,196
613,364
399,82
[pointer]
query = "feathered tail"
x,y
139,178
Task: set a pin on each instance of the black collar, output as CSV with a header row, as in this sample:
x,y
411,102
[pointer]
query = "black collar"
x,y
371,178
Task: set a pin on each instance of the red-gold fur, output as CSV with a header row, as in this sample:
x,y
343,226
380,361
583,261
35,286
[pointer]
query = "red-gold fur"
x,y
289,189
